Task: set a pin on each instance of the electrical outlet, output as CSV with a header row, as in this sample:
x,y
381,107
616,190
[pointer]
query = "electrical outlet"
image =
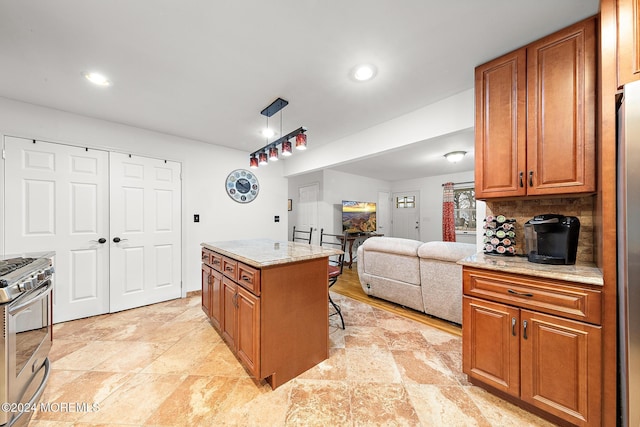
x,y
196,218
276,218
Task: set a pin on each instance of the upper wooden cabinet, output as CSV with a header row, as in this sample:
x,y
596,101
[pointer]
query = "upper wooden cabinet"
x,y
535,117
628,41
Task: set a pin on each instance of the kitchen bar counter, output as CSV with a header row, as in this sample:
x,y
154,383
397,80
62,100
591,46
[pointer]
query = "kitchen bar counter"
x,y
261,253
268,300
587,274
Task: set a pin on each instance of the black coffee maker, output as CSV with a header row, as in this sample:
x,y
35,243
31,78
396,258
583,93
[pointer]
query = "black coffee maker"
x,y
552,239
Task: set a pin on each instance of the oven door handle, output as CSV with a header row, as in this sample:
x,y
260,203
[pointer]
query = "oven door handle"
x,y
44,292
34,399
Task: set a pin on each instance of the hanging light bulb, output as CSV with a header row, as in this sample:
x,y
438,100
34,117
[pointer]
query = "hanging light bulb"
x,y
301,141
273,153
262,158
253,162
286,148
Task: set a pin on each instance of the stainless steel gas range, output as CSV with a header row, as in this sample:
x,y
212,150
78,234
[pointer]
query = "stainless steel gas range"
x,y
26,283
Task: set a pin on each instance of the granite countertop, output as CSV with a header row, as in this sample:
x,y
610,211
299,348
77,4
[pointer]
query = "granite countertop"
x,y
580,273
261,253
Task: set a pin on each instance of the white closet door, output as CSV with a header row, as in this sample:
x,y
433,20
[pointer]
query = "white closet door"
x,y
56,198
145,231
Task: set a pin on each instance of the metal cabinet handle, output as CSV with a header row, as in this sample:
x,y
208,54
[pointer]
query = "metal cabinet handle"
x,y
520,294
100,240
524,324
513,326
530,178
521,176
246,278
118,240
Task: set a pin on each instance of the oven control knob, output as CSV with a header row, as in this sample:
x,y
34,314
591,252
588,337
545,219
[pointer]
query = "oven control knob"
x,y
3,283
42,275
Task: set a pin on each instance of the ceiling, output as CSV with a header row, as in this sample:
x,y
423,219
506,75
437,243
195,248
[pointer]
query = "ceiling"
x,y
205,69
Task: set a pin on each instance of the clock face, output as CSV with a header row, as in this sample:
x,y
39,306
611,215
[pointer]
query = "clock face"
x,y
242,186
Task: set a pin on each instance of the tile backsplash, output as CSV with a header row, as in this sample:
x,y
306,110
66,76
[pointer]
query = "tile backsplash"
x,y
523,210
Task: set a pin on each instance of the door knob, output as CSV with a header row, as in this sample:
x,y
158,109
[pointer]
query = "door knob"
x,y
117,240
101,240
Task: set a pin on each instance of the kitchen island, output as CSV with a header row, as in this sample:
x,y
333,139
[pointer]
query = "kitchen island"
x,y
268,300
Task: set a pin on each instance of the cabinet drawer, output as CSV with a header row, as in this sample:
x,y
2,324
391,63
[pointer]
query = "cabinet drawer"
x,y
230,268
216,261
557,297
249,278
206,256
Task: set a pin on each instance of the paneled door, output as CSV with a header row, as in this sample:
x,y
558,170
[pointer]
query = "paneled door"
x,y
57,198
145,241
406,215
307,217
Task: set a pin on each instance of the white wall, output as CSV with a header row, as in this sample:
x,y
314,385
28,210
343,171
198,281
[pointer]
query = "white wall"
x,y
339,186
204,169
431,204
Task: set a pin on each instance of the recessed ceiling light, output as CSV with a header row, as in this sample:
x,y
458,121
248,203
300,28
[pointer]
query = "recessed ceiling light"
x,y
364,72
97,79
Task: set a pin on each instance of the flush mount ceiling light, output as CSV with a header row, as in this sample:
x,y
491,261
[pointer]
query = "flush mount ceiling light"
x,y
455,156
259,157
364,72
97,79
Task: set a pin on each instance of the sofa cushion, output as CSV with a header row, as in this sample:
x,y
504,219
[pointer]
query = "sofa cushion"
x,y
392,258
446,251
394,245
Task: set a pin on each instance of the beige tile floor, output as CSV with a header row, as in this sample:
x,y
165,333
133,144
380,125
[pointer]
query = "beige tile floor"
x,y
164,365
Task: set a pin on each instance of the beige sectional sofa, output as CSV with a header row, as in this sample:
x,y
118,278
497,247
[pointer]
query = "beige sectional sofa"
x,y
421,276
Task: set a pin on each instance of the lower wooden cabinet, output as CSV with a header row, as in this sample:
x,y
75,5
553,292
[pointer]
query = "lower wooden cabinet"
x,y
548,362
206,289
248,330
240,326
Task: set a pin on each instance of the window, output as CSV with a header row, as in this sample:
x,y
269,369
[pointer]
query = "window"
x,y
464,209
405,202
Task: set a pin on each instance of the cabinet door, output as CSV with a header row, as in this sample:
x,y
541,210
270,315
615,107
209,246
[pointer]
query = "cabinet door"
x,y
206,282
228,315
500,130
248,338
561,96
490,344
561,367
628,41
215,291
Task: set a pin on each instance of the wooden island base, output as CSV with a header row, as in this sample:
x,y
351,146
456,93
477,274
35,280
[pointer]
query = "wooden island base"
x,y
273,317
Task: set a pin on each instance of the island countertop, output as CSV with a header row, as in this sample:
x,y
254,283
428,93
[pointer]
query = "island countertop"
x,y
262,253
580,273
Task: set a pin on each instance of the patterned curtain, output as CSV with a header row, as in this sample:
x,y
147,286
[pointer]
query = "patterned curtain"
x,y
448,220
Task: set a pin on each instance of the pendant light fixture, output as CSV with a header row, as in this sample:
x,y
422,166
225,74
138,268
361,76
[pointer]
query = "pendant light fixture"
x,y
260,157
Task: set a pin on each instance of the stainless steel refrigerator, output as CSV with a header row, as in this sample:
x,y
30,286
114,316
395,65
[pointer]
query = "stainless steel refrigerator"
x,y
629,256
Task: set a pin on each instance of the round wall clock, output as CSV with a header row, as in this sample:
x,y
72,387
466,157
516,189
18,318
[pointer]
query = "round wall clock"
x,y
242,186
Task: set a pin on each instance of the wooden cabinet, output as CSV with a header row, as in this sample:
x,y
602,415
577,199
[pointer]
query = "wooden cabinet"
x,y
535,117
274,319
240,326
546,361
628,41
211,286
248,333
